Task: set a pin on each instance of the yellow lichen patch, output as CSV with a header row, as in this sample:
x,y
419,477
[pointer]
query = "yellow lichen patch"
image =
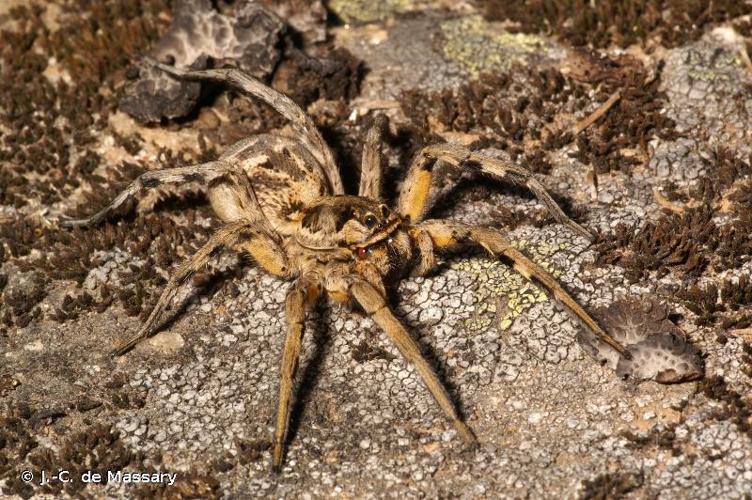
x,y
717,72
481,46
541,253
501,293
368,11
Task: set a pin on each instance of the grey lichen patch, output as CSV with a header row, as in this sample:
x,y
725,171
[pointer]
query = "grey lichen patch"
x,y
368,11
706,84
679,160
401,57
480,46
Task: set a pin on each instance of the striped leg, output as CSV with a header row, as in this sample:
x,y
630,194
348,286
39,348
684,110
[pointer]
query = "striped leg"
x,y
414,199
304,292
370,172
202,173
285,106
373,303
243,235
447,234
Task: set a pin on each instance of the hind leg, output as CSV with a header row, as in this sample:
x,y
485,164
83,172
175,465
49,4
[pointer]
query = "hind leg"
x,y
203,173
299,120
370,172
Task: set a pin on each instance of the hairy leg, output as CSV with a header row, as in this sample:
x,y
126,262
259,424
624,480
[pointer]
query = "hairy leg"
x,y
304,292
424,245
414,199
242,235
370,172
375,306
280,102
204,172
447,234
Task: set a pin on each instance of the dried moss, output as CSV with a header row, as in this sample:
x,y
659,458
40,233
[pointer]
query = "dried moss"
x,y
727,189
364,352
673,242
154,241
726,304
16,442
496,108
251,451
726,170
97,449
735,407
659,437
52,123
616,22
522,111
747,359
19,303
734,244
611,485
619,140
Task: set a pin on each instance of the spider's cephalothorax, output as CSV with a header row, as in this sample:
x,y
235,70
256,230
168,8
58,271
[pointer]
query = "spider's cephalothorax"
x,y
353,229
282,201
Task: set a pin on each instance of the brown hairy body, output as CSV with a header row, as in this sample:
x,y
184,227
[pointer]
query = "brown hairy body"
x,y
281,200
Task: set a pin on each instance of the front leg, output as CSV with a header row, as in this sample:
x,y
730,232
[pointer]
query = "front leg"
x,y
374,304
302,294
447,234
414,199
242,235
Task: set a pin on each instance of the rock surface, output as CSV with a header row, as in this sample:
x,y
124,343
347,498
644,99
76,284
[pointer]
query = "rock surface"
x,y
198,399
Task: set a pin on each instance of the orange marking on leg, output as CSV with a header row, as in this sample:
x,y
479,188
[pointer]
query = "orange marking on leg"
x,y
419,189
267,257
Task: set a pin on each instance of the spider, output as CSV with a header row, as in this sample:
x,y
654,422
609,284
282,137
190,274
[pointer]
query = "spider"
x,y
282,201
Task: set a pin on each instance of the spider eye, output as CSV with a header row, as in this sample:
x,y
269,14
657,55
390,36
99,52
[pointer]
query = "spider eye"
x,y
370,221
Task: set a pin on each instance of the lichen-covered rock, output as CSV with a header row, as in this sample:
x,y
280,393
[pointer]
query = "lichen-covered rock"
x,y
483,47
198,399
366,11
705,82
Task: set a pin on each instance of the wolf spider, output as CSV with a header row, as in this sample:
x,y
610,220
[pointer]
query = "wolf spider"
x,y
282,201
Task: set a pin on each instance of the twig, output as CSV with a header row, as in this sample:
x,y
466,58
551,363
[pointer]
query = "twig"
x,y
595,115
666,203
744,333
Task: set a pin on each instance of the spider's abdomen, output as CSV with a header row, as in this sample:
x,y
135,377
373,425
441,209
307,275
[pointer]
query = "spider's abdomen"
x,y
284,175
